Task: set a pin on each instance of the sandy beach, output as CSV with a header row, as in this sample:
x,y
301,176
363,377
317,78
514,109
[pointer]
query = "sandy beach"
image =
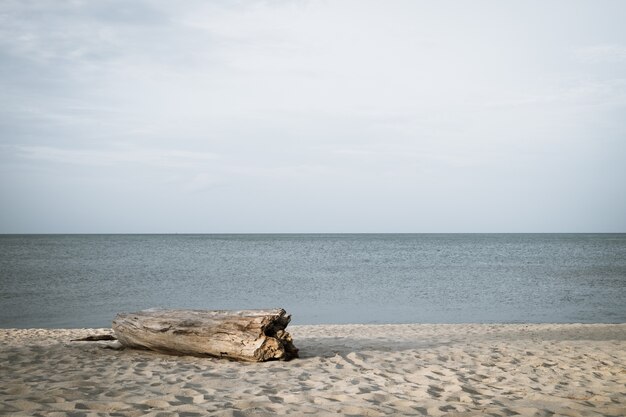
x,y
370,370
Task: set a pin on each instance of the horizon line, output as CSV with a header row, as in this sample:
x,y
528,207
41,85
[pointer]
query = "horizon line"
x,y
299,233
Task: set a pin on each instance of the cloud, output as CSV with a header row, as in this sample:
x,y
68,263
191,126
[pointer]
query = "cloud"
x,y
201,182
173,158
598,54
582,91
58,32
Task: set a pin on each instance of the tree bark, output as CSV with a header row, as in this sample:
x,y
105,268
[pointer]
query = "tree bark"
x,y
247,335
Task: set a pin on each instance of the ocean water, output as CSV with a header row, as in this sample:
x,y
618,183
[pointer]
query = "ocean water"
x,y
84,280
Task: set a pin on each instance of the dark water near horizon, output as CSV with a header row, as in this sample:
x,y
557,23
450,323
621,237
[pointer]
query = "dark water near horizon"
x,y
84,280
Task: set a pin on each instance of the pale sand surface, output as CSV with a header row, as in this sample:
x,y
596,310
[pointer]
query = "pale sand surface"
x,y
473,369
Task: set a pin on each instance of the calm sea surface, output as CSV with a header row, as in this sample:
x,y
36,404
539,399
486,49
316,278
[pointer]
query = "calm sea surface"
x,y
84,280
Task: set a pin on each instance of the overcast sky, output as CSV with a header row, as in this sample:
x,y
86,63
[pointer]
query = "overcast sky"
x,y
312,116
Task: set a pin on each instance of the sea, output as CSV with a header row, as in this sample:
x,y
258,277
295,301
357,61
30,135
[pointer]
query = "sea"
x,y
74,281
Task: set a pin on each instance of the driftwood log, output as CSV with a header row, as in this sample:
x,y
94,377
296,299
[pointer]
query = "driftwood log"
x,y
247,335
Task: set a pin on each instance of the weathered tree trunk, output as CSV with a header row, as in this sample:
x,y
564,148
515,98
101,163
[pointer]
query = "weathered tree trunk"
x,y
248,335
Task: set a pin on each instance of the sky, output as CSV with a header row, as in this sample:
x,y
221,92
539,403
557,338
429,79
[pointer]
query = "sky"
x,y
312,116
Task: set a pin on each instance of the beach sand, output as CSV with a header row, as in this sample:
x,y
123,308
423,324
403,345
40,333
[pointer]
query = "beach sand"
x,y
369,370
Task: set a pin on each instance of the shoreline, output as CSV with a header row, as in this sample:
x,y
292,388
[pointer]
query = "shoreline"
x,y
373,369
